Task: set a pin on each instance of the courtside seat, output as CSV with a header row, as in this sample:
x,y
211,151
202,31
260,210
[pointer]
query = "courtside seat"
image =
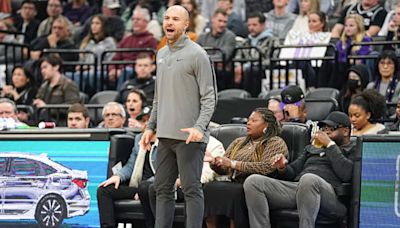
x,y
127,211
296,138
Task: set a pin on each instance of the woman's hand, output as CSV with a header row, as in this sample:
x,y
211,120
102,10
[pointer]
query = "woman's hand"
x,y
10,90
116,180
223,162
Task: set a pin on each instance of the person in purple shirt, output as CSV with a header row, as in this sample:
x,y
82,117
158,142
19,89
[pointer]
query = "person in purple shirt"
x,y
353,32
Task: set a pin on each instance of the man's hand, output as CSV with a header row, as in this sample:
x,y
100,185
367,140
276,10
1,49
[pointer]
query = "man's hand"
x,y
292,111
52,39
116,180
38,103
279,161
194,135
322,137
208,157
146,139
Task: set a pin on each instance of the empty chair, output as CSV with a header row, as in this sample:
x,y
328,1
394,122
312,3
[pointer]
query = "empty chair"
x,y
319,108
103,97
83,98
323,92
226,133
275,93
233,94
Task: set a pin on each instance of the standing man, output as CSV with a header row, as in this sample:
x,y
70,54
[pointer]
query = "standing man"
x,y
183,105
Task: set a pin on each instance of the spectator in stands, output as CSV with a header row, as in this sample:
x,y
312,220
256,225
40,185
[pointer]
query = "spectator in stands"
x,y
197,21
394,30
54,11
153,26
235,23
371,11
114,115
77,11
308,183
6,52
59,38
209,6
115,25
144,80
387,76
396,125
365,110
357,80
135,103
26,21
220,37
8,109
306,6
274,105
23,87
140,38
130,182
249,75
9,115
315,33
296,6
390,4
56,88
293,105
245,156
96,41
279,20
353,32
78,116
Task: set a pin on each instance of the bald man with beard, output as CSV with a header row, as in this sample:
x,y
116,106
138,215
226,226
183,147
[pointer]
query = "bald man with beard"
x,y
184,102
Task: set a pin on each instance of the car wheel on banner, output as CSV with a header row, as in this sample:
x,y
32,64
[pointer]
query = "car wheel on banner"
x,y
50,211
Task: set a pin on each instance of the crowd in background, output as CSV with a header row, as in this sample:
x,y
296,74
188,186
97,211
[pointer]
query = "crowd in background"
x,y
365,85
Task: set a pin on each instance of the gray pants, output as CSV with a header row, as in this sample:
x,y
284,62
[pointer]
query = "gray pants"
x,y
311,195
176,157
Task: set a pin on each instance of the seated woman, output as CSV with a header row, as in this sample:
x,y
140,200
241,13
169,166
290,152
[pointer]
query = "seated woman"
x,y
96,41
387,76
135,103
22,90
302,20
246,155
357,80
365,110
353,32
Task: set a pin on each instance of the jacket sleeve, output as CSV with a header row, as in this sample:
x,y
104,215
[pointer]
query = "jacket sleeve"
x,y
71,93
205,77
294,168
341,165
126,171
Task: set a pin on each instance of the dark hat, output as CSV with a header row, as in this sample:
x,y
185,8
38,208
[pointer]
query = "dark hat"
x,y
145,111
362,71
335,119
291,95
